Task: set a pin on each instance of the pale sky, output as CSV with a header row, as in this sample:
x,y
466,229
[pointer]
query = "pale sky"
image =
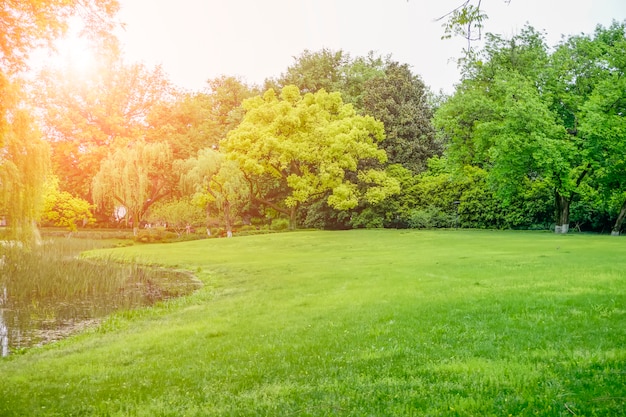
x,y
196,40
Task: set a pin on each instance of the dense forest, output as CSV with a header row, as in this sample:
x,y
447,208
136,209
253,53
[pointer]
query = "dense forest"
x,y
534,137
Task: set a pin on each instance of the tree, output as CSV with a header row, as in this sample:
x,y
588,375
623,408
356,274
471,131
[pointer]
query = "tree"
x,y
314,71
528,145
24,163
218,184
134,177
505,117
309,145
604,124
24,158
194,121
226,95
62,209
399,100
87,117
466,20
179,214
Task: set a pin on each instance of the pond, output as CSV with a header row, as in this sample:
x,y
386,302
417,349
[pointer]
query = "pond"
x,y
49,293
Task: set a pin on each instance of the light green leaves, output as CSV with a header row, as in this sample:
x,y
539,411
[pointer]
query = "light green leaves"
x,y
310,143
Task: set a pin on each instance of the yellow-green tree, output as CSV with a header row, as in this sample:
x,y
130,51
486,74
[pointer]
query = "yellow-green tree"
x,y
62,209
308,145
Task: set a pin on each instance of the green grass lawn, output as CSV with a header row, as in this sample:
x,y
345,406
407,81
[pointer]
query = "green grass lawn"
x,y
356,323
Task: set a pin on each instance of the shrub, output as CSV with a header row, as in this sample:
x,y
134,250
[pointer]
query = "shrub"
x,y
279,224
155,234
431,217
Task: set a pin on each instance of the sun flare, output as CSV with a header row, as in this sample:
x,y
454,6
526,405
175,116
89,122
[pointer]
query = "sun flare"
x,y
75,53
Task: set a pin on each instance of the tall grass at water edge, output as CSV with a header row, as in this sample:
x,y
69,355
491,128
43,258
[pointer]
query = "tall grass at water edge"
x,y
49,286
359,323
54,270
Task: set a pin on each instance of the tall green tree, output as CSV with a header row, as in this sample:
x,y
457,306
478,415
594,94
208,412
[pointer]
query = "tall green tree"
x,y
581,66
517,114
399,99
309,144
604,126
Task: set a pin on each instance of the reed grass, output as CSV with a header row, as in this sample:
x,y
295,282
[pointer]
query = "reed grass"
x,y
51,286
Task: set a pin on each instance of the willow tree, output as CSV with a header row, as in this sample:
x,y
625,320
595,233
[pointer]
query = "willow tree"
x,y
134,177
218,184
311,145
24,161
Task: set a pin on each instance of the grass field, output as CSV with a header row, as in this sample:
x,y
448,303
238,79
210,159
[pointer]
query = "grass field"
x,y
357,323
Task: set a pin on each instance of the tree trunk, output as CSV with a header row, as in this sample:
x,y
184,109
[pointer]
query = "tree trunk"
x,y
292,217
620,219
135,223
562,214
208,220
227,221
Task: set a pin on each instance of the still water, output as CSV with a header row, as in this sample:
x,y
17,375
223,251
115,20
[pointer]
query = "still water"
x,y
45,297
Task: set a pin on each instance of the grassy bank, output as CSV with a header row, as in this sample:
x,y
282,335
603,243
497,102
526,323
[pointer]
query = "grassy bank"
x,y
353,323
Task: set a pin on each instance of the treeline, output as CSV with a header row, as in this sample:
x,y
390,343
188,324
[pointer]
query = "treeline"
x,y
533,138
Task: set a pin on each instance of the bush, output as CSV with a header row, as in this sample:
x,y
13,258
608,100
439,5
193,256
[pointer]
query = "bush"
x,y
431,217
155,234
367,219
280,224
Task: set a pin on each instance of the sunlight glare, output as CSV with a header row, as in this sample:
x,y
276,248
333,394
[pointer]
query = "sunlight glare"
x,y
75,53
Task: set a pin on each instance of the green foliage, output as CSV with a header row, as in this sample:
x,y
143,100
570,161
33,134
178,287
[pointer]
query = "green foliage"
x,y
156,235
431,217
399,100
279,224
63,209
218,186
368,218
309,145
313,71
466,21
179,214
527,117
319,215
